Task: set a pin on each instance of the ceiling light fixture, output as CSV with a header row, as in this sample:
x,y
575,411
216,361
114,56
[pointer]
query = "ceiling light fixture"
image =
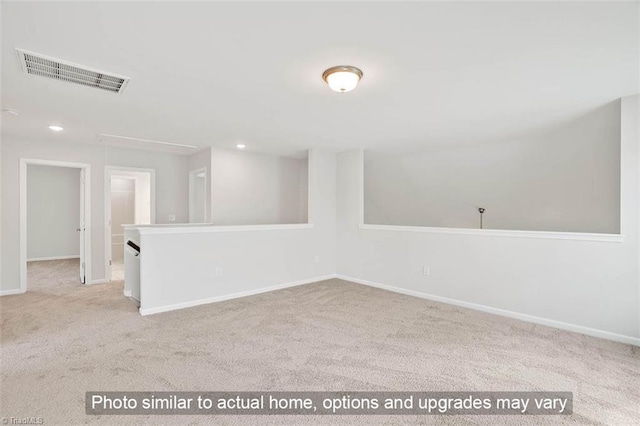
x,y
342,78
241,146
56,128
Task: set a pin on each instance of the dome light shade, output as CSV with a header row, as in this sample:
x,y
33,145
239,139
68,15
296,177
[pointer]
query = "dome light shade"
x,y
342,78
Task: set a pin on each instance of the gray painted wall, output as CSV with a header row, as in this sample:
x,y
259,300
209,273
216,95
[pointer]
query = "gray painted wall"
x,y
53,212
255,189
565,179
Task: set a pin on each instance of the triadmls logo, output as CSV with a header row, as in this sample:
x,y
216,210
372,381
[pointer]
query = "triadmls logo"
x,y
22,421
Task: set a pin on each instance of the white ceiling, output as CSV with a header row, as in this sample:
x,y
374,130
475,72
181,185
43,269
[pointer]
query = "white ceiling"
x,y
215,74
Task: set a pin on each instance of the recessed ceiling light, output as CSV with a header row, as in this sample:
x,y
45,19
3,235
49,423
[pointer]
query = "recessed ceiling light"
x,y
342,78
10,112
241,146
56,128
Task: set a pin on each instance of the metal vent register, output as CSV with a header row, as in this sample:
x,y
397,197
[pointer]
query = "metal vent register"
x,y
44,66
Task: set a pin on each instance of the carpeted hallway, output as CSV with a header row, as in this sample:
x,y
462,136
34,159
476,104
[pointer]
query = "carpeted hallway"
x,y
62,339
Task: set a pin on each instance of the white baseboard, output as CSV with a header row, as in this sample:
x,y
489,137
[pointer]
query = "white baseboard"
x,y
40,259
488,309
102,281
127,293
10,292
167,308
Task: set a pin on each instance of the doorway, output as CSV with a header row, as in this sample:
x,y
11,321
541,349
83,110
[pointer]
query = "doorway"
x,y
198,195
130,200
55,223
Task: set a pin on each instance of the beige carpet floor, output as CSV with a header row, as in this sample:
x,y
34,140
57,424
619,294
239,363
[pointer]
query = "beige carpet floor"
x,y
61,339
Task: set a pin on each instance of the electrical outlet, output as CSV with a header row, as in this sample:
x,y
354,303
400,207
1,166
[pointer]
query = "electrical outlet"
x,y
317,259
218,272
426,271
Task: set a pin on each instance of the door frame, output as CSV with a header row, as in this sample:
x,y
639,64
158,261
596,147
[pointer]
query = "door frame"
x,y
192,176
85,188
108,171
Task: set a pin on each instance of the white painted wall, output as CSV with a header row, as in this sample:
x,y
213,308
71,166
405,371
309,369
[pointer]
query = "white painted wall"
x,y
53,212
171,193
565,179
586,284
250,188
178,266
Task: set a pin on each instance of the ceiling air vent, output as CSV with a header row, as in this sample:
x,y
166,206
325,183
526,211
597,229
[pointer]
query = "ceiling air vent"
x,y
45,66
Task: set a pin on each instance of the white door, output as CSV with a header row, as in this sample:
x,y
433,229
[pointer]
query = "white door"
x,y
81,229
